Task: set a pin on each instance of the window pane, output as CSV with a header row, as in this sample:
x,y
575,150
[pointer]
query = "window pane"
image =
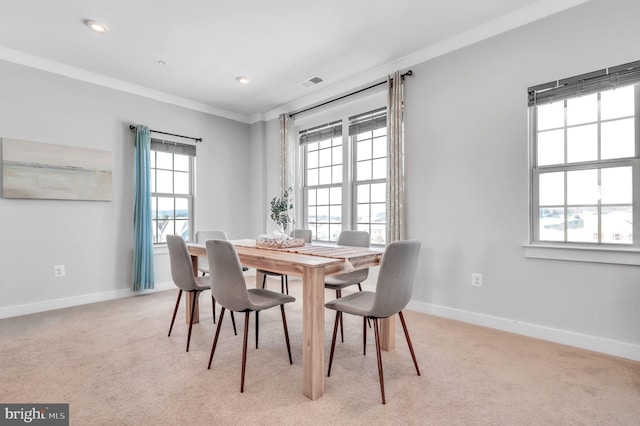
x,y
181,183
152,182
182,207
164,182
378,192
551,224
364,135
335,215
168,228
312,177
550,116
323,196
324,144
322,232
325,157
335,196
336,174
364,150
617,103
362,195
311,197
312,159
582,224
551,147
324,176
617,225
380,168
582,143
378,213
182,229
164,160
582,110
152,159
582,187
336,153
551,189
312,146
380,147
380,132
378,234
181,162
616,185
618,139
311,215
363,170
323,214
362,213
334,231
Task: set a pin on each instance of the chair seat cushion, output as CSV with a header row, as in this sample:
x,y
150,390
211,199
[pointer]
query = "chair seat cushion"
x,y
338,282
202,283
360,303
264,299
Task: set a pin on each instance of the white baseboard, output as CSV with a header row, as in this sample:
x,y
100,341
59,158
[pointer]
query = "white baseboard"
x,y
584,341
66,302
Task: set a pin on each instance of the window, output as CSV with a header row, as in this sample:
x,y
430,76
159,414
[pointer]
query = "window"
x,y
586,159
171,190
344,181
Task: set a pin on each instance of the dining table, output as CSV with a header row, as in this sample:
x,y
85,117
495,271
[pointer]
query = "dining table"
x,y
312,262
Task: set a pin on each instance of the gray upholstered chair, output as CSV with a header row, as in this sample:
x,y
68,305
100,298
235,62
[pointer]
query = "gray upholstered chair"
x,y
339,282
306,235
230,289
393,292
183,278
201,237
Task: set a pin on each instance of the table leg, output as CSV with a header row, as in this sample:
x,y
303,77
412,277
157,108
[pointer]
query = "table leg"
x,y
388,333
191,294
313,332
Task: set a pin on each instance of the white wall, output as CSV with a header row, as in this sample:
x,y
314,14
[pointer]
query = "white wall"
x,y
466,171
94,239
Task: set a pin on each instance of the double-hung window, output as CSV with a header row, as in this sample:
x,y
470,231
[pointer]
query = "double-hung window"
x,y
344,179
585,156
172,184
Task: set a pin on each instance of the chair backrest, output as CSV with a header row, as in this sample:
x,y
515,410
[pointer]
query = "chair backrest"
x,y
354,238
396,277
181,266
305,234
214,234
226,278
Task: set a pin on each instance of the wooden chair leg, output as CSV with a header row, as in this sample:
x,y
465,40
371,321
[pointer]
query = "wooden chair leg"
x,y
338,296
359,287
333,341
215,339
213,304
257,323
379,356
264,280
282,284
364,335
233,321
286,332
286,282
406,334
175,311
244,349
193,307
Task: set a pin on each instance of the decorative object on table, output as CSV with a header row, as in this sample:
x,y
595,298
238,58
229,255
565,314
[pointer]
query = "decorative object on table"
x,y
280,222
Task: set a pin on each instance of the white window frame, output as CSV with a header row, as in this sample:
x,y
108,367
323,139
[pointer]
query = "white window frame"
x,y
343,112
189,197
626,254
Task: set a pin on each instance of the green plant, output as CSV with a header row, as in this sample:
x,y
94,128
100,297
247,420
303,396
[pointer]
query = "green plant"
x,y
280,207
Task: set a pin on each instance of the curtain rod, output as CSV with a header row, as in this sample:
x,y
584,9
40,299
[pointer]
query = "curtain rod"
x,y
132,127
293,114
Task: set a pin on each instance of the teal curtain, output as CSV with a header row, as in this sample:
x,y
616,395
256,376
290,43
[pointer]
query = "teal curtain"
x,y
142,227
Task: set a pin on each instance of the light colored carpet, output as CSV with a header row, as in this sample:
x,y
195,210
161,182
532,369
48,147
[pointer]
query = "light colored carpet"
x,y
114,364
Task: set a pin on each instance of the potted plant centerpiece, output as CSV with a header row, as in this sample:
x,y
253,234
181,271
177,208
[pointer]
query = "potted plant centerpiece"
x,y
281,223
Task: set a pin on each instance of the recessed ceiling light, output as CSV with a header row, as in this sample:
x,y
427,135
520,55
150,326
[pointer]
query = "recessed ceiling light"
x,y
96,26
242,80
161,62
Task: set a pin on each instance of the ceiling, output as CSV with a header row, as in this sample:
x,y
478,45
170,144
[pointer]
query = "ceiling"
x,y
278,44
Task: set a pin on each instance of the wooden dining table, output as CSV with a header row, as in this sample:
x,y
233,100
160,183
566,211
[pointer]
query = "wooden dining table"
x,y
312,263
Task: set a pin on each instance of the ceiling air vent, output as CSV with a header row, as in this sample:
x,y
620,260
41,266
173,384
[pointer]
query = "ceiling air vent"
x,y
311,81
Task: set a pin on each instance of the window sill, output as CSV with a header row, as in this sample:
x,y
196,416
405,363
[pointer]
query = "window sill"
x,y
160,249
577,253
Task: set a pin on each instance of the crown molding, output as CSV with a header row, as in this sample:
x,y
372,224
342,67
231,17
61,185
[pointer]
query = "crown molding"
x,y
21,58
518,18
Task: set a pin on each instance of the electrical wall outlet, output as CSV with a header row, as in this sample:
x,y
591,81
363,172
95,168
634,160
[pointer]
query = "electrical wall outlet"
x,y
59,271
476,279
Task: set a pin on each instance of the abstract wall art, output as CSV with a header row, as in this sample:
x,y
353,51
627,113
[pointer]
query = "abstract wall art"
x,y
54,172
